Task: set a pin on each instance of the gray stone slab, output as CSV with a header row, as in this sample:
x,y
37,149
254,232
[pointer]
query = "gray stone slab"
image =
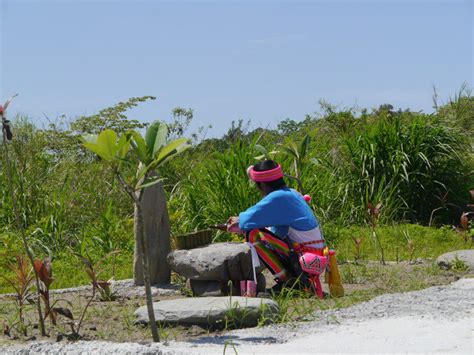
x,y
218,261
211,311
467,256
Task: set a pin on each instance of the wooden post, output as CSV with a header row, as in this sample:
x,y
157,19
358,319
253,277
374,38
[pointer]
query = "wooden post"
x,y
157,235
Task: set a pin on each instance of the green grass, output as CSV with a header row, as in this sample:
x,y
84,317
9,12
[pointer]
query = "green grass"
x,y
403,242
69,272
428,243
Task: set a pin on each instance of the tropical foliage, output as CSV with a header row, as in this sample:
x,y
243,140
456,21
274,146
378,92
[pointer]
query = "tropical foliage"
x,y
419,166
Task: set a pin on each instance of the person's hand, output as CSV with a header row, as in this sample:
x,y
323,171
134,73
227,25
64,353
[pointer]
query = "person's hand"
x,y
233,220
233,225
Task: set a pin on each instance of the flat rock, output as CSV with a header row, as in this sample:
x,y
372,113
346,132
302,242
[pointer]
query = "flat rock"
x,y
211,311
466,256
205,288
218,261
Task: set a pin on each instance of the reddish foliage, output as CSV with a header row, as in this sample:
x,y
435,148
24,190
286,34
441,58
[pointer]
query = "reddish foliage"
x,y
374,211
44,271
464,221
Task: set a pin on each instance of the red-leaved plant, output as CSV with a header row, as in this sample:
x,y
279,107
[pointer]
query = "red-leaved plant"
x,y
21,282
44,271
464,227
374,215
358,248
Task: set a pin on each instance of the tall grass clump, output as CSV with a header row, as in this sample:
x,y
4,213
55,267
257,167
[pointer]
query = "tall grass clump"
x,y
407,162
215,189
410,162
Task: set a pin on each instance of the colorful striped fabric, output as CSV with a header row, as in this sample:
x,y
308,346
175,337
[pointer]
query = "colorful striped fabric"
x,y
270,250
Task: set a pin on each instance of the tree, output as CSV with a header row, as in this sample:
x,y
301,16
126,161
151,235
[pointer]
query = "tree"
x,y
113,118
150,152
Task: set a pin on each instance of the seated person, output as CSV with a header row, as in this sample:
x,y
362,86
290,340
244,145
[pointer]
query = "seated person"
x,y
281,217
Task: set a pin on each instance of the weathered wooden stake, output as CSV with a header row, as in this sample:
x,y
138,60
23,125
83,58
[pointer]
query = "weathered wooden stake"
x,y
157,235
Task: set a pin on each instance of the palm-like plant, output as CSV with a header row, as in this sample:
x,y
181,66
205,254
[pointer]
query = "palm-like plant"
x,y
149,152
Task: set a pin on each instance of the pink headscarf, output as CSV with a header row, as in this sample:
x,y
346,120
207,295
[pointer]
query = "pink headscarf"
x,y
265,176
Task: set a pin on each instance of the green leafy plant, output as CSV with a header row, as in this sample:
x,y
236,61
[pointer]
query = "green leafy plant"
x,y
94,270
215,189
298,153
150,152
459,264
229,344
235,315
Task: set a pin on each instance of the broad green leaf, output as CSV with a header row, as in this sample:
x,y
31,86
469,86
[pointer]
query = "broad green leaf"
x,y
105,145
155,137
107,139
168,153
99,150
179,145
139,146
123,146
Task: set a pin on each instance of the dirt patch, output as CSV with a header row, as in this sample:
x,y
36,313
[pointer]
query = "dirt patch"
x,y
114,320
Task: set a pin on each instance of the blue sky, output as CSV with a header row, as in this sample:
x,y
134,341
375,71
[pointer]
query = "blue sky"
x,y
258,60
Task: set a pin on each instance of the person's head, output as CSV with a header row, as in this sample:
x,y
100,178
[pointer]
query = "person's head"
x,y
267,175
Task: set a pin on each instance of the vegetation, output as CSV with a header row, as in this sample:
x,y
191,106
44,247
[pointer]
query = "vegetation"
x,y
387,185
151,152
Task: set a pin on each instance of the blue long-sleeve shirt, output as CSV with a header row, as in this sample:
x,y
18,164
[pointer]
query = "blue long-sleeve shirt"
x,y
287,214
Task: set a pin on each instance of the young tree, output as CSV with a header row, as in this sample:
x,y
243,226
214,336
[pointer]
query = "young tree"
x,y
149,152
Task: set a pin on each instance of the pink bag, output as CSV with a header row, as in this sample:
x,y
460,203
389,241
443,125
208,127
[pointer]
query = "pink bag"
x,y
312,263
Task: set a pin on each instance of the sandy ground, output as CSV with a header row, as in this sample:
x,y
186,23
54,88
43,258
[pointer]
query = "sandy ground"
x,y
438,319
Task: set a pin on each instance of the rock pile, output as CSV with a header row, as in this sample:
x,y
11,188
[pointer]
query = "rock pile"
x,y
210,268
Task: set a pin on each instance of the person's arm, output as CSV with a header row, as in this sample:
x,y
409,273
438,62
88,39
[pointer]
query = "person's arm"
x,y
268,212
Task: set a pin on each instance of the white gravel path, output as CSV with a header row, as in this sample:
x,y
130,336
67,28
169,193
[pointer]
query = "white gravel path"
x,y
438,319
